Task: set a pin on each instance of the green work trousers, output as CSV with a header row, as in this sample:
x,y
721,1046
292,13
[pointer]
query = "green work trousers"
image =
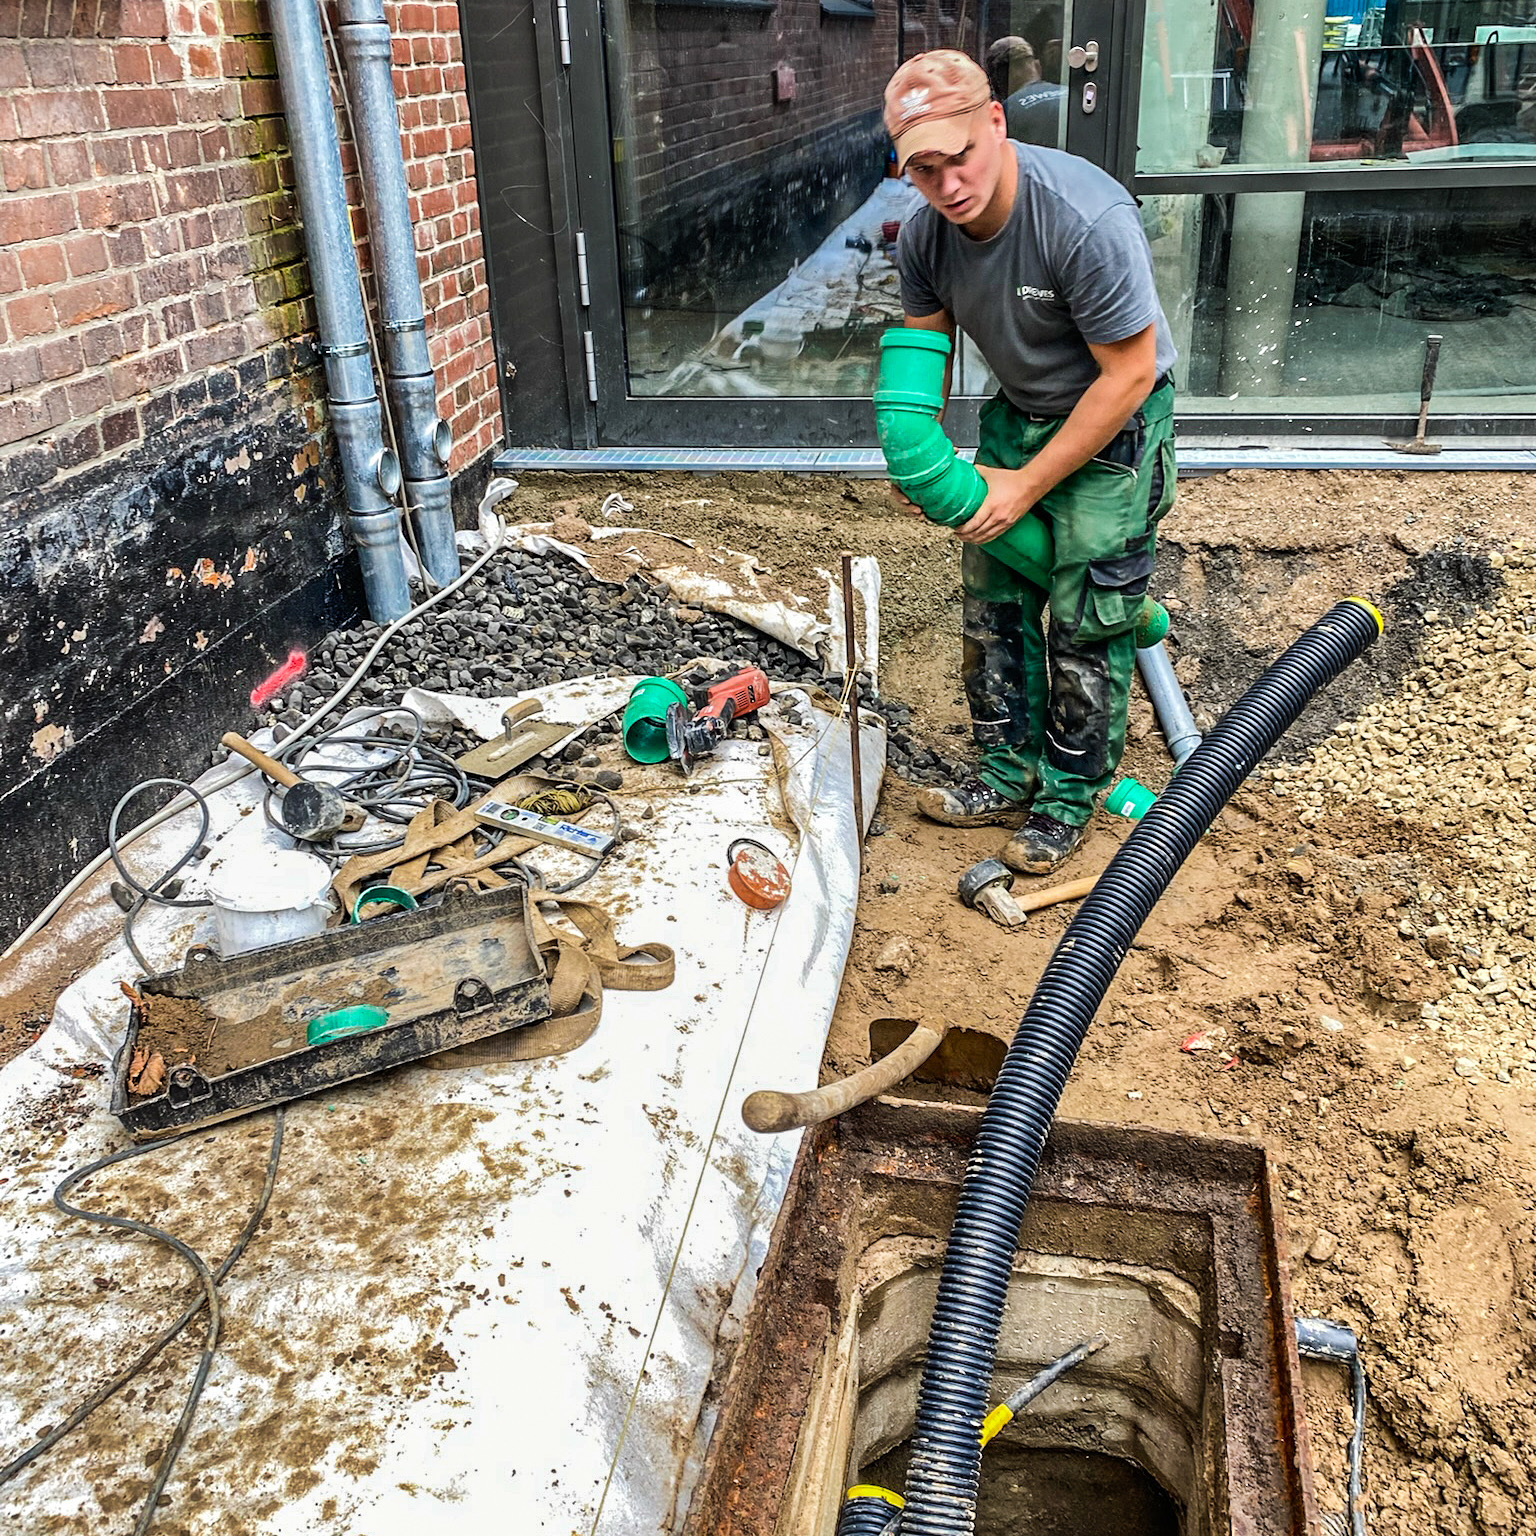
x,y
1048,709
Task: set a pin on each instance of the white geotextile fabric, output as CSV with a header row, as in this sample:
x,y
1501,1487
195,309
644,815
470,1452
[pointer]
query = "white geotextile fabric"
x,y
488,1299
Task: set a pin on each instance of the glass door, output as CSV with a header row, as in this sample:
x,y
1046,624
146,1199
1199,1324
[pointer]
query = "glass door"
x,y
738,211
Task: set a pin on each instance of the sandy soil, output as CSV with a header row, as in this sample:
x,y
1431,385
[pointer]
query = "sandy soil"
x,y
1271,995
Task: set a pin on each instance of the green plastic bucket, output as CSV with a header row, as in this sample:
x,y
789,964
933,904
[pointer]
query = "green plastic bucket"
x,y
645,718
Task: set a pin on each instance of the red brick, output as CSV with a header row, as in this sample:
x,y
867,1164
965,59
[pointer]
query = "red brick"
x,y
33,19
203,61
42,265
48,63
183,149
88,396
125,248
61,357
36,218
94,298
23,165
10,272
151,371
46,114
20,368
141,109
178,318
30,416
143,18
133,67
102,343
111,157
197,231
31,316
119,429
260,98
70,161
95,63
165,62
85,254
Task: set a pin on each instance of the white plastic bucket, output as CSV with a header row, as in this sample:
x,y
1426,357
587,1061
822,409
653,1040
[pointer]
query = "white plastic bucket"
x,y
275,898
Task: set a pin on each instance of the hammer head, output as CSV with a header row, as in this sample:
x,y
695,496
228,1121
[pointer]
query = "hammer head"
x,y
965,1058
313,811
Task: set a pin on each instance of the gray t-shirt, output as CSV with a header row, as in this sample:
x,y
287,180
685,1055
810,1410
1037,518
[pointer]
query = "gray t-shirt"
x,y
1071,266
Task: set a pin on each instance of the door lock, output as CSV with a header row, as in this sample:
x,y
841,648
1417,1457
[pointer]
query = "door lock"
x,y
1084,56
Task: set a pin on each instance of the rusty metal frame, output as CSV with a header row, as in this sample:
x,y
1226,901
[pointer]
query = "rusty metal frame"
x,y
853,1181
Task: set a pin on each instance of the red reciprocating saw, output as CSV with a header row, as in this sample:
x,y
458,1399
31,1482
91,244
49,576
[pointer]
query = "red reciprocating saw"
x,y
698,736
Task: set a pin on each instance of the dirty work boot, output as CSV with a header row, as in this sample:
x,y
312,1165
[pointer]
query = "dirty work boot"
x,y
1040,845
970,803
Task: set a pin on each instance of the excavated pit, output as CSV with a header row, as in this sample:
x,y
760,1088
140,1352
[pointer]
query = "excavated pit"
x,y
1188,1421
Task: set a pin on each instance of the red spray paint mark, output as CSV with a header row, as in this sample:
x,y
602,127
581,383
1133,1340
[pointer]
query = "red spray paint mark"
x,y
290,670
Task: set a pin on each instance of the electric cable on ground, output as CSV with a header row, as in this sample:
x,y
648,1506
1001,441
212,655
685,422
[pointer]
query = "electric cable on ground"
x,y
235,774
209,1298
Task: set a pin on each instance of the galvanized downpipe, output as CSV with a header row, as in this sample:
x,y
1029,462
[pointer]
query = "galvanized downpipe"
x,y
425,439
370,470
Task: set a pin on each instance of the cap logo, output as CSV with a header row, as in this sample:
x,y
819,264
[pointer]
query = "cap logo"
x,y
913,102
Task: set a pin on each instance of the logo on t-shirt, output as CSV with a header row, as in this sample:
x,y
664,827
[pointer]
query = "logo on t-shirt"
x,y
1024,291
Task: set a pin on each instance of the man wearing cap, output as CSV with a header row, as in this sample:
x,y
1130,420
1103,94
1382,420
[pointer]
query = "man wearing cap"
x,y
1040,258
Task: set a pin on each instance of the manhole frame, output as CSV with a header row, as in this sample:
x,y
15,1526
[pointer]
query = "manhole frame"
x,y
806,1284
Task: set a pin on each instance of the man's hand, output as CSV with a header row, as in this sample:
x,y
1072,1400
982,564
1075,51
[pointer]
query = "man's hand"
x,y
905,503
1010,495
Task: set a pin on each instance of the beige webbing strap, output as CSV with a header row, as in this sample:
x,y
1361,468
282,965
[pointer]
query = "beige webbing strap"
x,y
578,973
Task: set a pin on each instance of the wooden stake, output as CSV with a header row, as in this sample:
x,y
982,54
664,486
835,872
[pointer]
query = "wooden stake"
x,y
852,678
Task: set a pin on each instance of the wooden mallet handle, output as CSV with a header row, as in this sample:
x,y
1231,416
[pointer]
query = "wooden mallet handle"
x,y
274,770
770,1110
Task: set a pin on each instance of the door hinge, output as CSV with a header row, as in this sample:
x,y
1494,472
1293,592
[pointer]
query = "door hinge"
x,y
591,355
581,269
563,24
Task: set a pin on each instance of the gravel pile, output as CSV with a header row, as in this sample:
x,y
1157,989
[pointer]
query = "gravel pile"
x,y
1455,752
529,620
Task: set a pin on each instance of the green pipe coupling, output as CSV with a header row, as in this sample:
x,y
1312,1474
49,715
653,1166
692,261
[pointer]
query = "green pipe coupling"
x,y
925,468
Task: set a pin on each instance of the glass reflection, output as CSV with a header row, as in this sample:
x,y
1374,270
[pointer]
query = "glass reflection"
x,y
1284,82
1341,327
756,214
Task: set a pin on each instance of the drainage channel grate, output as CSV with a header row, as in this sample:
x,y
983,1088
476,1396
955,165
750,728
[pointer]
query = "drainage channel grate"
x,y
1188,1421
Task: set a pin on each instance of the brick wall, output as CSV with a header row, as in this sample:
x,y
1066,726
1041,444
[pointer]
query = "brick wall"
x,y
170,509
151,255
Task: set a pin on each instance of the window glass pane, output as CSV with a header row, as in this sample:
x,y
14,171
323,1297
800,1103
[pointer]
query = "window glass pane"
x,y
1321,303
756,220
1292,82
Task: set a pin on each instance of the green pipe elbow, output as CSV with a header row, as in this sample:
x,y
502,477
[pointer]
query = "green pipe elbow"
x,y
925,468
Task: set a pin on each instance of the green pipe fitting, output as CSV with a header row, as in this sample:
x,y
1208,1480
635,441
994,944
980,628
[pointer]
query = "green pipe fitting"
x,y
925,468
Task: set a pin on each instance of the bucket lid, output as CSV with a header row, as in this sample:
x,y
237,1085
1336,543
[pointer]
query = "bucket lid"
x,y
270,880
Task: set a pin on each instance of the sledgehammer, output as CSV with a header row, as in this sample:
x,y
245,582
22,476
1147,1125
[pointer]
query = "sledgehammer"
x,y
962,1058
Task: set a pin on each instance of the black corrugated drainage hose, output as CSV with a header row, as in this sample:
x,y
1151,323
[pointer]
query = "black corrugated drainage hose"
x,y
973,1287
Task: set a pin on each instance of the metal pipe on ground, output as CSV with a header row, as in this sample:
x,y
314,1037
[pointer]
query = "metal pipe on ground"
x,y
424,439
1168,700
370,470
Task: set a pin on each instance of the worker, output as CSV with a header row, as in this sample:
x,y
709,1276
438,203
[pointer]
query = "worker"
x,y
1039,257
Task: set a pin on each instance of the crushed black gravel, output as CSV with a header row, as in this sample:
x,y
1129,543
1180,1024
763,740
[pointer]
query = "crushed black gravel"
x,y
529,620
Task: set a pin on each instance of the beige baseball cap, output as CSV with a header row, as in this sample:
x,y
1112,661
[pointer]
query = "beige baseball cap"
x,y
929,101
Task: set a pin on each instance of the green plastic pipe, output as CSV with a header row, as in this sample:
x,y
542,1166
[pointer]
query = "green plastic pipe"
x,y
925,468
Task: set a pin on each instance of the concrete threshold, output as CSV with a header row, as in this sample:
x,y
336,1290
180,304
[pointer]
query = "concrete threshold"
x,y
1194,459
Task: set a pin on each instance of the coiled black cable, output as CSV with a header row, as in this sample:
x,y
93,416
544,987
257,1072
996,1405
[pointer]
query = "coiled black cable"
x,y
973,1287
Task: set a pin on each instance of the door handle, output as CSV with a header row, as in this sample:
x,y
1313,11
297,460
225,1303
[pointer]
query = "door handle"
x,y
1084,56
